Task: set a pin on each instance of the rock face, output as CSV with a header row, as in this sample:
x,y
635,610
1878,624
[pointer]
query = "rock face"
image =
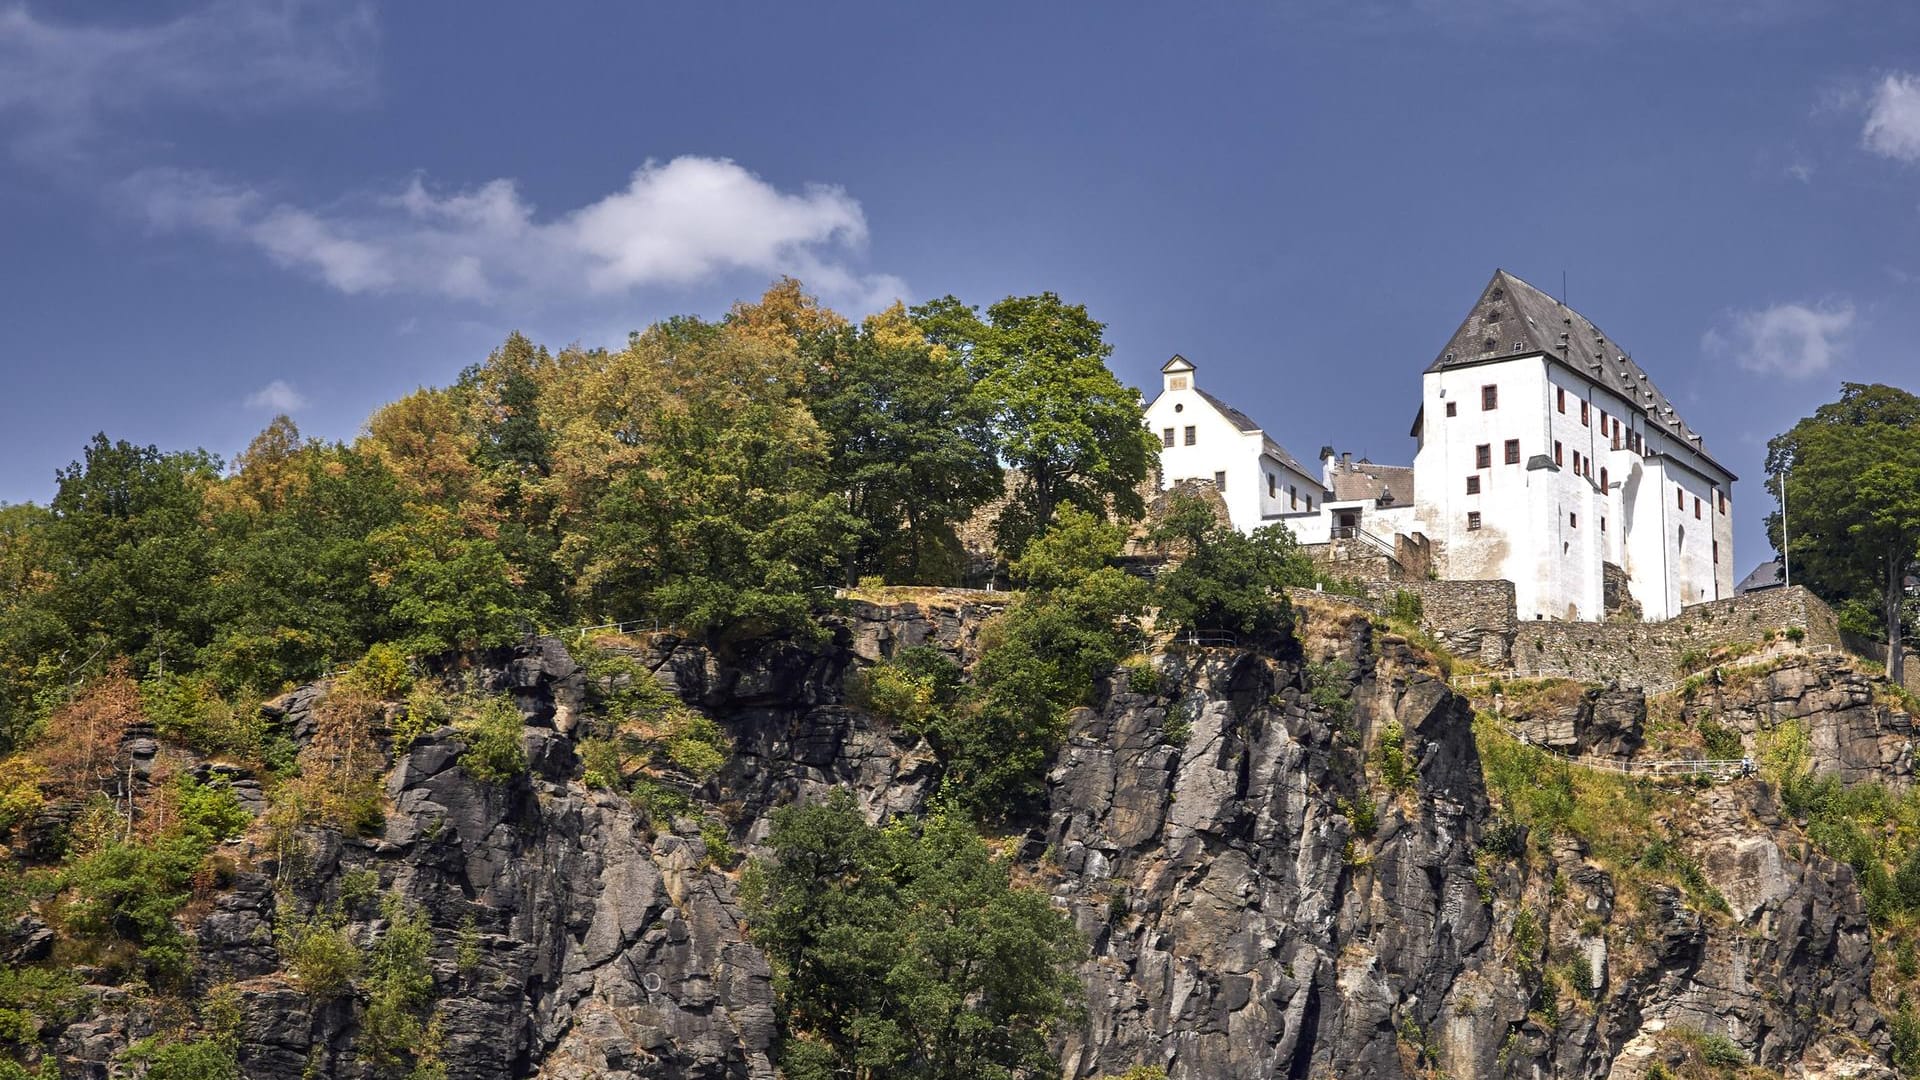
x,y
1603,722
1857,732
1256,901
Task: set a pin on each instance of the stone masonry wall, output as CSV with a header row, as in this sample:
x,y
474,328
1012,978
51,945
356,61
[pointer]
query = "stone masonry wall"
x,y
1648,654
1474,619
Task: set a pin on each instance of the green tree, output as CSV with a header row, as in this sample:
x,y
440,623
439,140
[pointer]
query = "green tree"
x,y
130,551
1852,476
721,519
1226,580
911,450
1078,617
1060,417
907,952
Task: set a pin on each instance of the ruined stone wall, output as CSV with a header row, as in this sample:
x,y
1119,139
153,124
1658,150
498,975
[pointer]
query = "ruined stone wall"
x,y
1648,654
1474,619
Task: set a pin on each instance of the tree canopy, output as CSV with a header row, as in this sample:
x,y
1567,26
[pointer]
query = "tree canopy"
x,y
717,476
1060,417
1852,476
905,950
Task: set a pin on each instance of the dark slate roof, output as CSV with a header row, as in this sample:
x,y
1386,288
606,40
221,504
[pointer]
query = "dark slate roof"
x,y
1246,423
1365,480
1765,576
1512,318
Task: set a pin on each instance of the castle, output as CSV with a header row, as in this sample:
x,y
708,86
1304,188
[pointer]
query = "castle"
x,y
1545,456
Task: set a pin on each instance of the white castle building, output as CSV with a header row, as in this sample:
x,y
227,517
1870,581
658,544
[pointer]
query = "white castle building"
x,y
1204,438
1546,456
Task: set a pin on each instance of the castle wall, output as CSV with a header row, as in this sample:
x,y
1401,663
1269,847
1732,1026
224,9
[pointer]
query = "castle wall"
x,y
1649,653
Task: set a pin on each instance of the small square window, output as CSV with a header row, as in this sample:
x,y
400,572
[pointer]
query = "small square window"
x,y
1716,552
1489,398
1190,435
1723,502
1603,483
1483,456
1220,481
1166,437
1513,451
1696,508
1273,486
1453,408
1473,485
1680,498
1473,519
1573,521
1584,420
1603,524
1558,458
1576,463
1560,398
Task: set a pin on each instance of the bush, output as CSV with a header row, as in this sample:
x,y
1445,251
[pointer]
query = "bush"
x,y
1227,580
494,753
1142,676
1796,634
1723,743
383,674
720,851
1407,607
319,955
399,985
1721,1052
1397,766
907,951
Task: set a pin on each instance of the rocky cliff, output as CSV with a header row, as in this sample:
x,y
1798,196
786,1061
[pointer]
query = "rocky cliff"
x,y
1286,863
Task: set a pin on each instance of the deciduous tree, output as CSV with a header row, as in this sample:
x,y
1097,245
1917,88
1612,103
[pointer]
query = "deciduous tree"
x,y
1852,475
1059,415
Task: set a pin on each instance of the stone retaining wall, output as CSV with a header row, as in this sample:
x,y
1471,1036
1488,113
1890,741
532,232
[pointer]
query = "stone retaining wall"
x,y
1474,619
1648,654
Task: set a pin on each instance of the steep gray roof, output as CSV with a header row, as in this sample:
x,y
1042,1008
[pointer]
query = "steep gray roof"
x,y
1512,318
1765,576
1246,423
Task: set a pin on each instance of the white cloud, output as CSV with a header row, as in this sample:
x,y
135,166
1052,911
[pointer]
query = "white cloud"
x,y
1793,340
59,79
1893,119
277,396
675,223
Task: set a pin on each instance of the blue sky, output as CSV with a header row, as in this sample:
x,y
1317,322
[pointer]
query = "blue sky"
x,y
216,210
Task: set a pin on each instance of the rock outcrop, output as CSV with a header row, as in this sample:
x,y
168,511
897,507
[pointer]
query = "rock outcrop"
x,y
1257,899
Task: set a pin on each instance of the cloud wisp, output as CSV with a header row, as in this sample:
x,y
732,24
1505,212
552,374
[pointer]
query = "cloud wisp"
x,y
277,396
676,223
62,80
1893,119
1795,341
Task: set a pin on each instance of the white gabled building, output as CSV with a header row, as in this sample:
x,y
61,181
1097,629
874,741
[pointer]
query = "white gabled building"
x,y
1547,456
1203,438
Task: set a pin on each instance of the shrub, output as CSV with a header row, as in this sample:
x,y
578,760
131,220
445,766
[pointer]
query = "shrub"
x,y
492,732
190,710
427,710
1796,634
907,950
382,673
399,985
1723,743
318,954
208,812
1407,607
1396,763
1328,689
720,851
1721,1052
1142,676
